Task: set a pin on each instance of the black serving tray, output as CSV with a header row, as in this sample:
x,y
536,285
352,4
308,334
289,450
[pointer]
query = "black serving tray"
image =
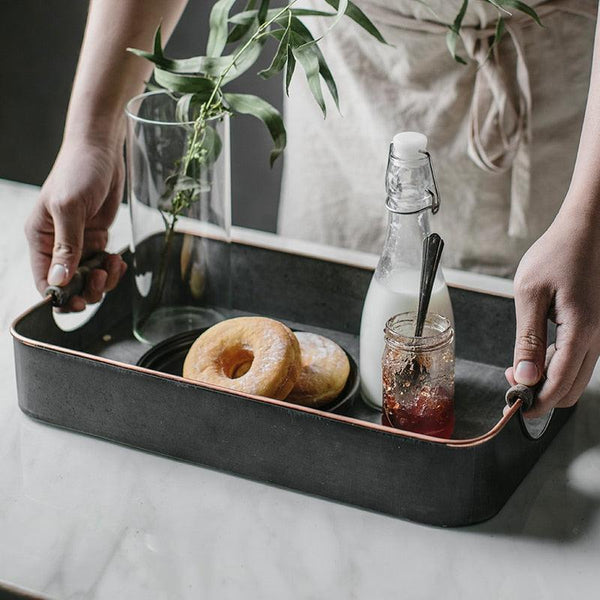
x,y
87,380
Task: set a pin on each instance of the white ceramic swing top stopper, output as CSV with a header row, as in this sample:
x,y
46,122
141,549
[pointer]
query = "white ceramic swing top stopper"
x,y
409,145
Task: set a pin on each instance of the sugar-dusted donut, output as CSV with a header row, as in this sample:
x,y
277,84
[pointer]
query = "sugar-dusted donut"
x,y
254,355
325,370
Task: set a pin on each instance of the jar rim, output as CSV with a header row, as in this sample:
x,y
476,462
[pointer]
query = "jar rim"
x,y
140,97
440,325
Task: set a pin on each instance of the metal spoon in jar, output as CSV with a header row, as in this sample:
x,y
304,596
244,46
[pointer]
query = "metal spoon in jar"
x,y
433,245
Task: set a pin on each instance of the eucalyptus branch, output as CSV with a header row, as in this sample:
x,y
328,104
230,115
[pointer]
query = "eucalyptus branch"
x,y
262,28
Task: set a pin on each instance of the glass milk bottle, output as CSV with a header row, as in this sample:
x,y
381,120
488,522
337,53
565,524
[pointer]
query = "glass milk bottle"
x,y
411,196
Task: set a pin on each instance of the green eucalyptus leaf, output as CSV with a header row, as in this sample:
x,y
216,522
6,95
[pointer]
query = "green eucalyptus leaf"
x,y
280,58
205,65
239,31
307,12
263,11
245,61
500,25
460,16
521,6
156,56
244,18
249,57
289,70
358,16
248,16
496,5
428,7
342,6
184,108
248,104
210,66
158,49
309,61
303,36
453,35
212,143
152,87
189,107
157,60
184,84
219,28
327,77
451,40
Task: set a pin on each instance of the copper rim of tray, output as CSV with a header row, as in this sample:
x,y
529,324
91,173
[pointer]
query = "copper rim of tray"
x,y
507,415
326,415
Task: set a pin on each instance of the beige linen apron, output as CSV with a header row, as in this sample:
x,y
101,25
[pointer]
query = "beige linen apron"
x,y
503,132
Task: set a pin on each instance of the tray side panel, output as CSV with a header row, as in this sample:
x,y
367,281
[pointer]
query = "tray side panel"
x,y
331,295
306,452
502,463
299,288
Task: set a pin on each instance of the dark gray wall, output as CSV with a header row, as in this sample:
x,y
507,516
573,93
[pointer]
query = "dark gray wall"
x,y
40,43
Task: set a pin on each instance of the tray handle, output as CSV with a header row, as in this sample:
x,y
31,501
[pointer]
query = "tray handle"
x,y
62,294
520,392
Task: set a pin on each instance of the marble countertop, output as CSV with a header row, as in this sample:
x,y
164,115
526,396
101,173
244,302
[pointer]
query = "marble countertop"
x,y
84,518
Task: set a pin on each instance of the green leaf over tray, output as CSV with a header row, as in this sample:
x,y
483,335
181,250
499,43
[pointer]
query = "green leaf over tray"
x,y
248,104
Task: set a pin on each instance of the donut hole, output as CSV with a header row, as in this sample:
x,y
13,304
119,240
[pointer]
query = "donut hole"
x,y
236,361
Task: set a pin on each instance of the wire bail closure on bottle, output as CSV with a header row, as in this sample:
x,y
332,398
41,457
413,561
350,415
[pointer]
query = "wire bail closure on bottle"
x,y
434,194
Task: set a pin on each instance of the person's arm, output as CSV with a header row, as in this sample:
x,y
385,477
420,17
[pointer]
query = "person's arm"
x,y
81,195
559,277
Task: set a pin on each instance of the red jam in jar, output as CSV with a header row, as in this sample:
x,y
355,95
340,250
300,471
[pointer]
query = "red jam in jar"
x,y
418,376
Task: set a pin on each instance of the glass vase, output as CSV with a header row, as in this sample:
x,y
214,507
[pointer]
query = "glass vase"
x,y
180,218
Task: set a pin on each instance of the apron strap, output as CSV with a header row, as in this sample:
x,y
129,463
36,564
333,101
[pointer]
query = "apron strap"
x,y
499,135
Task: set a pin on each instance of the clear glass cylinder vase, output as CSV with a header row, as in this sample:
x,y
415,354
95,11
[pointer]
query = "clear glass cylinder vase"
x,y
178,183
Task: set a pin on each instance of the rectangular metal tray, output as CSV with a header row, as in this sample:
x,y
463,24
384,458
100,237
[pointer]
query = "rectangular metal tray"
x,y
86,380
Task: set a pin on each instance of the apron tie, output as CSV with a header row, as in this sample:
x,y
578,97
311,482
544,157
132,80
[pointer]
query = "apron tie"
x,y
499,136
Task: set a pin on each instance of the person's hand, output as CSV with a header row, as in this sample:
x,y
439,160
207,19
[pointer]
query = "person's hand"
x,y
76,206
559,278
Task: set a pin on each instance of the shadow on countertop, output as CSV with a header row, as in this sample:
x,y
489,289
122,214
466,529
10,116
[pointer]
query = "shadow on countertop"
x,y
559,498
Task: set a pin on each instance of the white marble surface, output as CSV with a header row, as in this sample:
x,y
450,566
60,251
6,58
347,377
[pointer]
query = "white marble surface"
x,y
83,518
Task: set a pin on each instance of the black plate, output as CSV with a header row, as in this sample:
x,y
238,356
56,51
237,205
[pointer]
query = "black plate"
x,y
169,355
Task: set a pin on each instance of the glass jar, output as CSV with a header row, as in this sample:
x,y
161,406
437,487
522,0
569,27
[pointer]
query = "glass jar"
x,y
418,375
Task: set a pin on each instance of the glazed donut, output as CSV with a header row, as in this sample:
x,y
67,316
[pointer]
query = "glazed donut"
x,y
325,370
253,355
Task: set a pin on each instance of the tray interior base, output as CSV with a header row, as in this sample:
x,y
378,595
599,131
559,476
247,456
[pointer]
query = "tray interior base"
x,y
479,392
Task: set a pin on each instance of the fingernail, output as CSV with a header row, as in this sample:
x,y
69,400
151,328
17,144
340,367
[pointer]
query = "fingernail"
x,y
527,373
57,274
